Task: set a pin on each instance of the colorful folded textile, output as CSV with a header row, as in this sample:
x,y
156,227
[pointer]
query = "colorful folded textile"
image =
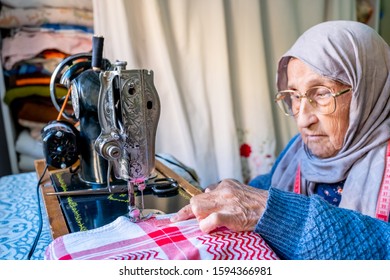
x,y
78,4
33,90
159,239
18,17
25,45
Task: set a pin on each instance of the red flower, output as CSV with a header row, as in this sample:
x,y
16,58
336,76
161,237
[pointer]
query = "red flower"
x,y
245,150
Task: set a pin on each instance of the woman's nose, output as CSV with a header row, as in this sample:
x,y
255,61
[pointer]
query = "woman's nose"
x,y
306,115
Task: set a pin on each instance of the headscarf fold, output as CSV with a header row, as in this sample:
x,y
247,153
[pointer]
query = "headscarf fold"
x,y
354,54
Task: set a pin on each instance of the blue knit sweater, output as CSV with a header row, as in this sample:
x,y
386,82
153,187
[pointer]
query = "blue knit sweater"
x,y
301,227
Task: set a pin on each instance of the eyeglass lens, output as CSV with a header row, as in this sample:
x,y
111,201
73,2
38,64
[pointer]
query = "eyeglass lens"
x,y
320,98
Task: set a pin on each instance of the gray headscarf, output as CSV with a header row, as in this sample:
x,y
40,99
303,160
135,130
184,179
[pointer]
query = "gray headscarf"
x,y
354,54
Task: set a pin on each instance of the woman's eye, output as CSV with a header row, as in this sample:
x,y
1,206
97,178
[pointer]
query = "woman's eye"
x,y
320,93
295,96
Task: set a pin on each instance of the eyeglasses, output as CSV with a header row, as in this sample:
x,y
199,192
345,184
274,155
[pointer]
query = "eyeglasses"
x,y
321,98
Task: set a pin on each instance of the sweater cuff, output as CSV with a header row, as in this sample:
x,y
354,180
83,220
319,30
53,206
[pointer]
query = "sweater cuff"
x,y
282,221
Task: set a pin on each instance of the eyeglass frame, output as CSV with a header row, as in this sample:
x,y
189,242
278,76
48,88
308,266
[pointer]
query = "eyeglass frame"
x,y
333,94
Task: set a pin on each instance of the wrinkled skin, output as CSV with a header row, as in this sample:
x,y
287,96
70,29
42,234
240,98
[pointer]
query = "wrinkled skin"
x,y
229,204
239,207
323,134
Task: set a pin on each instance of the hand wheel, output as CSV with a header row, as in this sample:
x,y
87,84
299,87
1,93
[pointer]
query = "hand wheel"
x,y
64,73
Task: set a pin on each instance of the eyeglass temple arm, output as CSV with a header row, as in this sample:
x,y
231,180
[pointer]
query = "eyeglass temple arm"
x,y
342,92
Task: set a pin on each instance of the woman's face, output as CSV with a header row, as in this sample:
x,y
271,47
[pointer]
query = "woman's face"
x,y
322,134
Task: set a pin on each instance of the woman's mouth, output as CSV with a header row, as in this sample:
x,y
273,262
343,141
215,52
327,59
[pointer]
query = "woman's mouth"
x,y
314,137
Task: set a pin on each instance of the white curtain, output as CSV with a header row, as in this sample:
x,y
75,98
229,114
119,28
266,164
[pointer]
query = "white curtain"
x,y
214,64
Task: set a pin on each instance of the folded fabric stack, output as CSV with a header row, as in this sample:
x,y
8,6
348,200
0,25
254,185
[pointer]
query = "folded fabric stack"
x,y
36,36
159,239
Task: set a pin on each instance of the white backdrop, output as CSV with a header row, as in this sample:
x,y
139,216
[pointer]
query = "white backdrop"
x,y
214,64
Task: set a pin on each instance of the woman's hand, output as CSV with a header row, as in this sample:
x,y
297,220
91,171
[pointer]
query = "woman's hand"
x,y
229,203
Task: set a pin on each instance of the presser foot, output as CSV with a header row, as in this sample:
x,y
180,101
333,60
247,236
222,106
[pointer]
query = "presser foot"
x,y
136,215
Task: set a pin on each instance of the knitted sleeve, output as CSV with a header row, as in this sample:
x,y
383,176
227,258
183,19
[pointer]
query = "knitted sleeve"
x,y
300,227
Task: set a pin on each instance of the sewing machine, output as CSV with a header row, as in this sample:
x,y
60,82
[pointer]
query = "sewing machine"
x,y
117,113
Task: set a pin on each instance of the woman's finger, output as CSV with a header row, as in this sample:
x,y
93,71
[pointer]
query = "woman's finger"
x,y
216,220
184,213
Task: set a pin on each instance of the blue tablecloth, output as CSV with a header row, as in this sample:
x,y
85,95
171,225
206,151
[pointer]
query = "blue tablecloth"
x,y
19,218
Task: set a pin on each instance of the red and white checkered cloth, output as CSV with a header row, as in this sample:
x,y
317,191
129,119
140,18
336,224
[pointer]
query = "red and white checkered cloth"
x,y
159,239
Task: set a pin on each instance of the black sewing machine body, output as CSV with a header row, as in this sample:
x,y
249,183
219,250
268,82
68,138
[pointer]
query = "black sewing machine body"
x,y
118,112
84,212
85,95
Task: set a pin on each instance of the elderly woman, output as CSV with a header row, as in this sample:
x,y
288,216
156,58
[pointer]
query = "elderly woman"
x,y
328,194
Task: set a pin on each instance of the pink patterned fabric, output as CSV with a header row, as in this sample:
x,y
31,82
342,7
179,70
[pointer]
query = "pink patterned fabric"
x,y
158,239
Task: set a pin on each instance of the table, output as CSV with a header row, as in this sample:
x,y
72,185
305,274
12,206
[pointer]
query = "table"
x,y
57,221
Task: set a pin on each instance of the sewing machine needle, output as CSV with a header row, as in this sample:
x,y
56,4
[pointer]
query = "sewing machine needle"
x,y
130,187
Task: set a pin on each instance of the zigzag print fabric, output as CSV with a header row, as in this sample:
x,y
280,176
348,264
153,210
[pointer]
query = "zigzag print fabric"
x,y
159,239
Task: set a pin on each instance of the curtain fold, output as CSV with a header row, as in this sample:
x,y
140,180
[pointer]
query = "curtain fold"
x,y
214,64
